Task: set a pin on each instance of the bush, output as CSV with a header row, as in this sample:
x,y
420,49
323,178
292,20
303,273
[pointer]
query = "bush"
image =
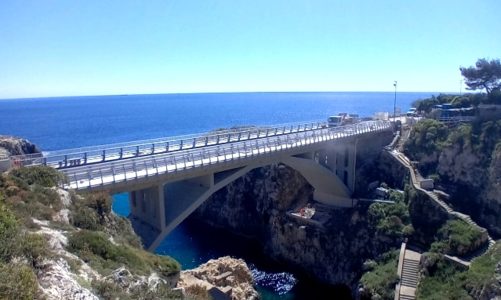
x,y
85,218
442,280
34,248
382,279
17,282
90,211
41,175
9,232
100,202
458,236
110,291
95,248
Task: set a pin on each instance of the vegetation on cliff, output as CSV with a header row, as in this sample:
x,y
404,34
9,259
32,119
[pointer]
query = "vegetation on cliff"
x,y
380,277
465,161
41,226
445,280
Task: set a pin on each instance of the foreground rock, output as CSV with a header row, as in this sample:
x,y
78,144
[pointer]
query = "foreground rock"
x,y
222,278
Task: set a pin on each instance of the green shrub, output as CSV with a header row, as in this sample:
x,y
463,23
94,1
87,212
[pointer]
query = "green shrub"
x,y
95,248
17,282
389,219
110,291
41,175
35,248
382,279
100,202
9,232
482,272
442,280
85,218
458,236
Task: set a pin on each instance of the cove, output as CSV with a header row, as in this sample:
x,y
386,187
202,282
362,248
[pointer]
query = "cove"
x,y
193,243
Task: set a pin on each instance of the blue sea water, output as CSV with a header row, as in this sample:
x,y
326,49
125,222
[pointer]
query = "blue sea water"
x,y
70,122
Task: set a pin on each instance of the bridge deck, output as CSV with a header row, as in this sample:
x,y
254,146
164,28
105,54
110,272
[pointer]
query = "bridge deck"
x,y
101,166
111,172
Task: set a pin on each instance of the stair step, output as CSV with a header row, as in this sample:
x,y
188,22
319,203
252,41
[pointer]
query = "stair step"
x,y
409,284
406,297
410,276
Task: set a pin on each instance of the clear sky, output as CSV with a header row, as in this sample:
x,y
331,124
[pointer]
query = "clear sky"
x,y
57,48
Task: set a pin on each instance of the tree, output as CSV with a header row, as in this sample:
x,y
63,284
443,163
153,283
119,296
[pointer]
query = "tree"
x,y
485,75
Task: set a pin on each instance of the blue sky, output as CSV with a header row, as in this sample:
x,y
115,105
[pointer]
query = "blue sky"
x,y
56,48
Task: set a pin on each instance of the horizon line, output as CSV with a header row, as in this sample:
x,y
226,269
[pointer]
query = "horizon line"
x,y
226,92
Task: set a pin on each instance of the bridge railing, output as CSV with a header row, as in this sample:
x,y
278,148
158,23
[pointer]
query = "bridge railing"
x,y
92,155
140,167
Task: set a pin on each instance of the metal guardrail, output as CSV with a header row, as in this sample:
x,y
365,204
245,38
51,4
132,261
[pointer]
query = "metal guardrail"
x,y
98,154
234,147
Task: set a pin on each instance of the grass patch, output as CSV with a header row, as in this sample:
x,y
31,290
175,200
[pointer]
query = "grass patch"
x,y
9,233
444,280
40,175
17,282
456,237
110,291
35,248
381,280
96,249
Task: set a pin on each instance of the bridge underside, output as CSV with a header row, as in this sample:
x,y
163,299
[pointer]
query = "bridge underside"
x,y
157,210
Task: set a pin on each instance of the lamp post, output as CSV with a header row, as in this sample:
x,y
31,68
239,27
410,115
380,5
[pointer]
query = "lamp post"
x,y
395,102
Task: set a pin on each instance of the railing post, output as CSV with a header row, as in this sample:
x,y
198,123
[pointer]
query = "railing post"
x,y
146,168
125,172
113,172
137,150
76,179
101,174
155,164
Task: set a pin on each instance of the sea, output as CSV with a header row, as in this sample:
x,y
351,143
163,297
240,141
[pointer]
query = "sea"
x,y
70,122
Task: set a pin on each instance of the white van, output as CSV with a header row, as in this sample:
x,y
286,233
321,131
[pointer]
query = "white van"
x,y
334,121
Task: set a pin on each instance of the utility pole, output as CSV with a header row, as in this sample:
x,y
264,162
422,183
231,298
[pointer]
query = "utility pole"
x,y
395,102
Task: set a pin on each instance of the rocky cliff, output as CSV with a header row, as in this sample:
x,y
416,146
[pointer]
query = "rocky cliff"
x,y
222,278
16,146
466,163
56,244
331,247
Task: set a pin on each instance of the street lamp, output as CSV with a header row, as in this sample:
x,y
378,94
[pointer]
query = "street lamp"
x,y
395,102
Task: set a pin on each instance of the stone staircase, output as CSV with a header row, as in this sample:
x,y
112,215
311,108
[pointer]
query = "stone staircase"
x,y
408,271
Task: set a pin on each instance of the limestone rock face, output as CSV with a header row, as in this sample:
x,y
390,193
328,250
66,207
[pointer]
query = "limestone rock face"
x,y
56,282
16,146
226,277
257,204
475,186
459,164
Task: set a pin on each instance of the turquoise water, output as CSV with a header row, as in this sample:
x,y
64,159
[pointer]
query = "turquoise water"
x,y
69,122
